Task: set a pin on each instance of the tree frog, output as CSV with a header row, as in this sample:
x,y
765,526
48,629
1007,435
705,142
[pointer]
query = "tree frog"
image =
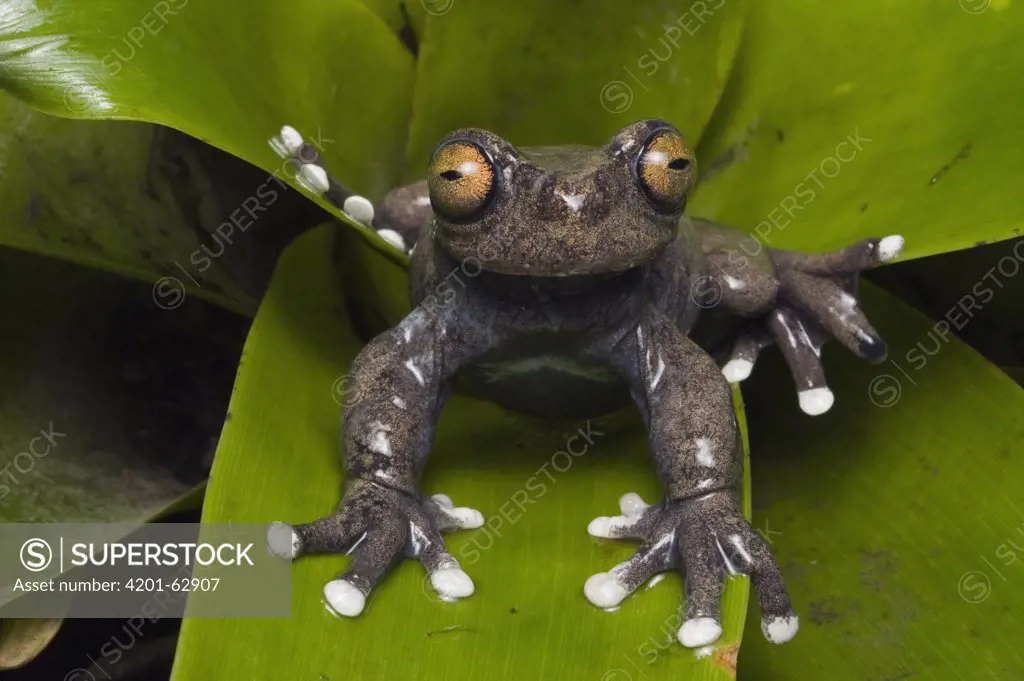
x,y
582,259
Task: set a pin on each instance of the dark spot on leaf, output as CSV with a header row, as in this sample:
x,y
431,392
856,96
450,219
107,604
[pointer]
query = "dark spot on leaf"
x,y
512,611
964,152
863,207
822,612
779,135
877,568
981,243
406,34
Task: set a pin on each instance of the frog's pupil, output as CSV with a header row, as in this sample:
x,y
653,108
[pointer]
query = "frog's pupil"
x,y
451,174
679,164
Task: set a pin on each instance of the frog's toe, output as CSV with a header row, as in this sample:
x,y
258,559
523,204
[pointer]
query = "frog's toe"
x,y
745,351
452,583
291,139
393,238
604,590
699,632
608,589
780,629
611,527
359,208
343,598
816,401
283,541
457,517
736,370
314,178
890,247
446,576
625,526
632,505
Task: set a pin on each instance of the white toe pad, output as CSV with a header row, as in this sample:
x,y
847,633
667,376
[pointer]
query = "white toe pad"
x,y
444,500
360,209
315,177
604,590
291,138
282,540
393,238
467,518
700,631
890,247
780,629
816,400
606,527
632,504
451,583
343,598
737,370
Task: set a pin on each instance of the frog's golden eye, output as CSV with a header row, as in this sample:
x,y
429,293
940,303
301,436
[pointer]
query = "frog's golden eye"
x,y
461,180
666,169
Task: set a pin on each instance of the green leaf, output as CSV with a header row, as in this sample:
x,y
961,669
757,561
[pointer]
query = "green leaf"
x,y
568,82
278,459
72,431
22,640
227,75
934,88
893,515
94,194
76,442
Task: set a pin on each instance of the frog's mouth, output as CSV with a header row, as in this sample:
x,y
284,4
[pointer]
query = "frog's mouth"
x,y
558,285
560,270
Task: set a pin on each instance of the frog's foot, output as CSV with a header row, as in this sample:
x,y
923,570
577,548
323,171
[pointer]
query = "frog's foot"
x,y
706,538
313,176
816,301
377,525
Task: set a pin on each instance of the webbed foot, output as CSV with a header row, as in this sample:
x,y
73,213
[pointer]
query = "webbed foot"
x,y
377,525
816,300
706,538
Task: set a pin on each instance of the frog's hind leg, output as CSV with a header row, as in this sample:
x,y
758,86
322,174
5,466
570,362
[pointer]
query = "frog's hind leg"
x,y
402,215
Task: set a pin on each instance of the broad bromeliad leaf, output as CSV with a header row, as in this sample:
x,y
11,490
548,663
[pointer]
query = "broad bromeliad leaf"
x,y
146,202
77,441
226,75
278,459
853,119
897,517
22,640
91,193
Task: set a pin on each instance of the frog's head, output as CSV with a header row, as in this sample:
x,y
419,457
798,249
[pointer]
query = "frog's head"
x,y
560,211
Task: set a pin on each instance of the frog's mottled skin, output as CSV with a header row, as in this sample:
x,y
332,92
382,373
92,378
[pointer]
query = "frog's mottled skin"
x,y
582,266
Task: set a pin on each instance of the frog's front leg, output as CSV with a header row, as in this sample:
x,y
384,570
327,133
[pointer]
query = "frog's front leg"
x,y
397,388
698,527
399,220
795,300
